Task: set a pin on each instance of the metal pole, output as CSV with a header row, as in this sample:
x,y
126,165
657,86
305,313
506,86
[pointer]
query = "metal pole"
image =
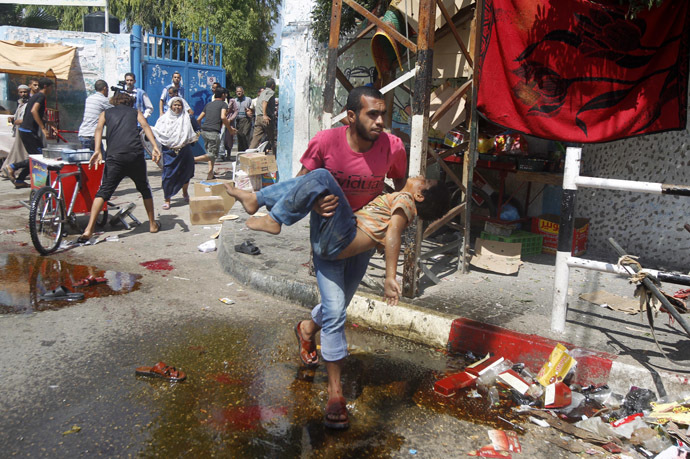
x,y
420,131
652,288
107,19
329,89
470,156
565,239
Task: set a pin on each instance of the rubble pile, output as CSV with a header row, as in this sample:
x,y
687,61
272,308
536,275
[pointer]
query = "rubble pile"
x,y
593,420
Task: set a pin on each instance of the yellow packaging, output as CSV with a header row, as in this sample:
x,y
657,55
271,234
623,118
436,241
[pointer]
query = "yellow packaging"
x,y
558,365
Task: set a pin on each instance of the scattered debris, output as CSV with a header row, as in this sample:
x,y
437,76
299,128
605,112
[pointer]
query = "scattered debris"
x,y
226,300
75,428
612,301
208,246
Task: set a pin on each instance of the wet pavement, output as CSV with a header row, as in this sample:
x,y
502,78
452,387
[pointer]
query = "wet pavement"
x,y
26,277
246,396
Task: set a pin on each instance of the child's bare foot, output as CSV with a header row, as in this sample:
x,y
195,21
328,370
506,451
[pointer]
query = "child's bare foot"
x,y
246,198
265,223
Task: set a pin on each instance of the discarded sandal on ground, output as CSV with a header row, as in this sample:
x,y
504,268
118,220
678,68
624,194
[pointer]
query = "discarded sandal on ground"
x,y
247,247
336,414
163,371
91,280
62,294
306,349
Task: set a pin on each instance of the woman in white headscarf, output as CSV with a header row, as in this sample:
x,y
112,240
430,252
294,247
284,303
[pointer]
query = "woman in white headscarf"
x,y
174,131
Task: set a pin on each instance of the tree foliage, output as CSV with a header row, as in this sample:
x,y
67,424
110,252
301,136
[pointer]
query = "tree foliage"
x,y
242,26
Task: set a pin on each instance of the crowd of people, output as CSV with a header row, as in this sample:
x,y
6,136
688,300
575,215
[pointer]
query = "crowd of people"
x,y
251,121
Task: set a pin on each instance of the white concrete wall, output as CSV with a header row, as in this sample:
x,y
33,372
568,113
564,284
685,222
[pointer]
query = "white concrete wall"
x,y
98,56
299,113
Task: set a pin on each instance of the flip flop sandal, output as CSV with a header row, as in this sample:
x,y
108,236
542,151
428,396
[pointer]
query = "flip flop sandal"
x,y
62,294
83,239
163,371
165,206
247,247
335,409
89,281
158,227
306,349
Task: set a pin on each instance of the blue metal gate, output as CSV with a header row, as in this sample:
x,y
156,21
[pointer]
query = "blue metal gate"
x,y
199,61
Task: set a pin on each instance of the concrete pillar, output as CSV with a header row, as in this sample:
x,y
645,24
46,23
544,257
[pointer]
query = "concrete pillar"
x,y
297,54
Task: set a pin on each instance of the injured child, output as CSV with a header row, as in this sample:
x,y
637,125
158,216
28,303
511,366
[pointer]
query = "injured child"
x,y
346,233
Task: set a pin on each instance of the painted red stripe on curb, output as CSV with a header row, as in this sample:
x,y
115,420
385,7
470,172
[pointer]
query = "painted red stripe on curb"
x,y
532,350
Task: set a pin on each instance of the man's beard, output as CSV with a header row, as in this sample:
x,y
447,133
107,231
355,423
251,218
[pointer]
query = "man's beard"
x,y
362,131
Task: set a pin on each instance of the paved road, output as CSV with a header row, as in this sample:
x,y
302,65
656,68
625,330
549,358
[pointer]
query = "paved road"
x,y
245,395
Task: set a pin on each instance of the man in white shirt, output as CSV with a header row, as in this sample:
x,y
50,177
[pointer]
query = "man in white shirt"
x,y
141,99
95,104
165,95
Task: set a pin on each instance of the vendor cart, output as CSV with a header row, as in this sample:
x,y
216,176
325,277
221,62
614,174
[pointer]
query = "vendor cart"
x,y
59,191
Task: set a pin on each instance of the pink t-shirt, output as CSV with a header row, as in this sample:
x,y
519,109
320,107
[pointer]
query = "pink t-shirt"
x,y
360,175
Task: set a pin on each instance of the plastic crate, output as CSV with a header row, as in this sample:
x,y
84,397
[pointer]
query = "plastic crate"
x,y
531,243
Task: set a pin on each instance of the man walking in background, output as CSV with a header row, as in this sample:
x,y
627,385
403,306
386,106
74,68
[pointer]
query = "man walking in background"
x,y
141,99
265,106
165,95
29,132
243,122
95,104
214,116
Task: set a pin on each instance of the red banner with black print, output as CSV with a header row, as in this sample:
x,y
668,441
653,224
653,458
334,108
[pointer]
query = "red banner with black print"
x,y
584,71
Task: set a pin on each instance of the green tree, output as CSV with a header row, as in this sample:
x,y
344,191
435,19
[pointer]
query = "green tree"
x,y
242,26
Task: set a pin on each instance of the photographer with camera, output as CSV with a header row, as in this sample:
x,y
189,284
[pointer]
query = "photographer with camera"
x,y
95,104
141,99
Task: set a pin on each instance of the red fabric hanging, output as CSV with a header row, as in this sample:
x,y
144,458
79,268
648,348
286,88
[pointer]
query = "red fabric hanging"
x,y
580,71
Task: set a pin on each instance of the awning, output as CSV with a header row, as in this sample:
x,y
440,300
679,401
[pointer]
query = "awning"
x,y
39,59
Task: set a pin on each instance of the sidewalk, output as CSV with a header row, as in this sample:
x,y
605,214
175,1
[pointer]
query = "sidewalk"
x,y
481,311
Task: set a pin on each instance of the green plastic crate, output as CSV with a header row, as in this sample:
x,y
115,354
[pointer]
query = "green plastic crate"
x,y
531,243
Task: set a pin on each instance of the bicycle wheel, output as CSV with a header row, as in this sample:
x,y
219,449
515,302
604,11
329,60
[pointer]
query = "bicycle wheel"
x,y
46,219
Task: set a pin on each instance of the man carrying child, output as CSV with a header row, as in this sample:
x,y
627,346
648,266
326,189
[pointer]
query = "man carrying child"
x,y
359,156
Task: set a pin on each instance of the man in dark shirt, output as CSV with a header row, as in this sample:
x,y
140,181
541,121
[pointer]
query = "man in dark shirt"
x,y
125,157
29,131
214,116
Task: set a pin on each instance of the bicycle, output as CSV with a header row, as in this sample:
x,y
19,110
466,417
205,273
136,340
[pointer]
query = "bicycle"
x,y
48,212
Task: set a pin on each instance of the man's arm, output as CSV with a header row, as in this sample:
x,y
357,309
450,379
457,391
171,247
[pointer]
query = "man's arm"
x,y
226,122
396,226
200,117
147,104
97,156
38,118
399,183
325,205
160,107
263,106
156,155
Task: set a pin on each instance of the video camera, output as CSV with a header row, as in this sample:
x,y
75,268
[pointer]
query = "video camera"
x,y
121,87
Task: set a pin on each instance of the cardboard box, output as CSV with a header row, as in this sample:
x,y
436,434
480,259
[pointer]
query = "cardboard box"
x,y
215,188
258,163
206,210
547,225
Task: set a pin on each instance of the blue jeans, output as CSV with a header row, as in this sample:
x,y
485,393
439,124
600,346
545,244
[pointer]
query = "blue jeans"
x,y
288,201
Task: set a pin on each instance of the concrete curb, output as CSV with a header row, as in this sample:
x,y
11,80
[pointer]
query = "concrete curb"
x,y
440,330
